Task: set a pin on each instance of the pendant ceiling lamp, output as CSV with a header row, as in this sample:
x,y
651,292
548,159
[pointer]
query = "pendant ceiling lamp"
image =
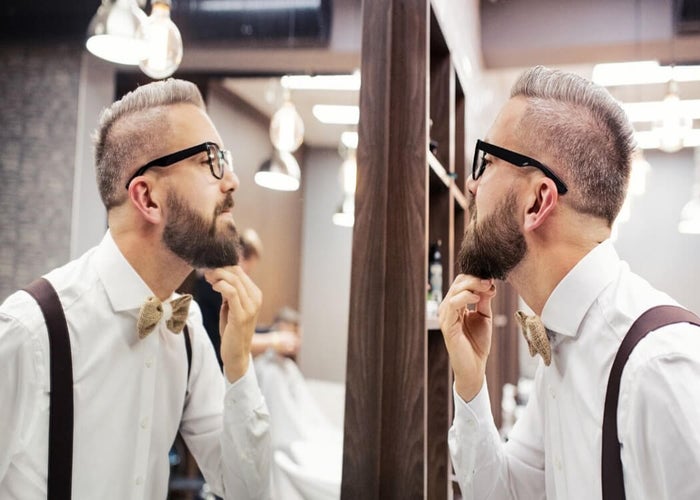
x,y
112,32
287,127
673,124
162,42
280,172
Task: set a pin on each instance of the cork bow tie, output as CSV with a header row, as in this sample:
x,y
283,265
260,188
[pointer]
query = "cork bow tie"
x,y
153,310
536,336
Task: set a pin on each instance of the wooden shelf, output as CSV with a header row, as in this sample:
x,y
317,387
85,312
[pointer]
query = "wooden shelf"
x,y
447,179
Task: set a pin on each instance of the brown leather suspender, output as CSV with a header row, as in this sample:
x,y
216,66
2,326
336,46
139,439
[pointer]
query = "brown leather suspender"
x,y
611,466
60,470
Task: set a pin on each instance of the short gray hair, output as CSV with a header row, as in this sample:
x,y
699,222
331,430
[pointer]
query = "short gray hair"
x,y
585,131
132,127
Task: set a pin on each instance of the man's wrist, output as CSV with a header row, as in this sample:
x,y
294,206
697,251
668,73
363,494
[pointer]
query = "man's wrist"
x,y
235,369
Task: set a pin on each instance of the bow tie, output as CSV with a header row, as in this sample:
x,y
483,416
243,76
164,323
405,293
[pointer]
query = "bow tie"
x,y
536,336
153,310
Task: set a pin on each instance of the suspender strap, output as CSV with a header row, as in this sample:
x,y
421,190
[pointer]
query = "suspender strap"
x,y
60,470
188,347
653,319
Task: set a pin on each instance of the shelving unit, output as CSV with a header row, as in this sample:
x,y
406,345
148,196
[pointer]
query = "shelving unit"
x,y
398,406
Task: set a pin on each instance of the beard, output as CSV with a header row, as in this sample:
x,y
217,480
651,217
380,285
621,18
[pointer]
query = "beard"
x,y
493,247
195,239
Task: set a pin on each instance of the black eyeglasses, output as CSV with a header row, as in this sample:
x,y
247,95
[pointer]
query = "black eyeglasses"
x,y
219,160
484,148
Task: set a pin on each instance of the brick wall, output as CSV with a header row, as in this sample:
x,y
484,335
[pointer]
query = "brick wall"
x,y
38,121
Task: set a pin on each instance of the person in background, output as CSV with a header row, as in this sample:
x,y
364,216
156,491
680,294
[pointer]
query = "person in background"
x,y
283,340
167,184
546,186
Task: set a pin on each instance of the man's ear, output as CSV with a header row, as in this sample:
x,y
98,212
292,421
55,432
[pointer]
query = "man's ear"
x,y
143,198
541,204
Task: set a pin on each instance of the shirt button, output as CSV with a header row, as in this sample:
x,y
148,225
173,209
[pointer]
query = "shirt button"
x,y
149,362
144,422
552,392
139,481
471,423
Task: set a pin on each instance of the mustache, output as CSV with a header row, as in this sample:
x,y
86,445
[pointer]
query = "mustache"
x,y
226,204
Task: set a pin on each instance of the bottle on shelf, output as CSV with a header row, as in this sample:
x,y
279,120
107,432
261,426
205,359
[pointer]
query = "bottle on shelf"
x,y
435,273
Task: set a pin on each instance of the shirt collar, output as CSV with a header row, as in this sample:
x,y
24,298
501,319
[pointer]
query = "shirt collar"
x,y
577,291
124,287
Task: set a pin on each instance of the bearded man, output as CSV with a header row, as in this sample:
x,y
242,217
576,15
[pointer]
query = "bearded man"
x,y
545,189
167,183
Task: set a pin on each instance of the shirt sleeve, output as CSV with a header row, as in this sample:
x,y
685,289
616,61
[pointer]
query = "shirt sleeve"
x,y
21,369
486,467
226,427
659,412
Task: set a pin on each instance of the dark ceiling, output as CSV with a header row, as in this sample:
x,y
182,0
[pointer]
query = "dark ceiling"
x,y
200,21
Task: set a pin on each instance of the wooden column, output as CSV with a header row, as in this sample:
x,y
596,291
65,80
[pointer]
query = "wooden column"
x,y
385,411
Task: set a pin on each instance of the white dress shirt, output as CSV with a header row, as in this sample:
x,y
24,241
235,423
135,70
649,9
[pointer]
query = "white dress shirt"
x,y
131,396
554,449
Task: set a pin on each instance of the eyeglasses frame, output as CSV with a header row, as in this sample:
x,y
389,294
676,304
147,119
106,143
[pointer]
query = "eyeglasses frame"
x,y
172,158
517,159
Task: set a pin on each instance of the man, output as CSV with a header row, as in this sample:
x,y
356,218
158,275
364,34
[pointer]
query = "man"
x,y
546,187
168,185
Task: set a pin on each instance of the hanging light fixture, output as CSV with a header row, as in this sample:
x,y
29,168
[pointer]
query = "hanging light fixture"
x,y
287,127
674,124
690,213
345,214
112,32
162,42
280,172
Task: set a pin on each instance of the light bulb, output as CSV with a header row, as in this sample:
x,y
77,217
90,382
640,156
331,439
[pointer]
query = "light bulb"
x,y
674,124
163,43
287,128
112,34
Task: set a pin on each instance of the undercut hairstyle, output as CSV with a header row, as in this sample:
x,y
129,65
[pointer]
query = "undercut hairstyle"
x,y
585,131
131,129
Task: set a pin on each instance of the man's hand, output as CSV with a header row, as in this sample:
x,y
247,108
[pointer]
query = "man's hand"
x,y
467,332
240,305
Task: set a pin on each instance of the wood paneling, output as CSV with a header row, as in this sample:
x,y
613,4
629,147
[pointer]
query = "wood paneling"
x,y
384,410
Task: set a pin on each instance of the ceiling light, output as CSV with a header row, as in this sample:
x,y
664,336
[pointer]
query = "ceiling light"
x,y
336,114
673,124
281,172
322,82
163,43
287,128
649,139
650,111
112,32
345,215
642,72
349,139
